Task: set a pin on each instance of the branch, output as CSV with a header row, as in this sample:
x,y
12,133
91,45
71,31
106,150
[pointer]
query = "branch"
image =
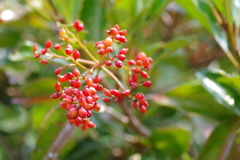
x,y
62,138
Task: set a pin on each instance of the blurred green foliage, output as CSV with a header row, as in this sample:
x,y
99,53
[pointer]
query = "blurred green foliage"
x,y
194,101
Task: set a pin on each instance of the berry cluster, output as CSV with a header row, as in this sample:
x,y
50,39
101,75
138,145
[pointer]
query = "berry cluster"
x,y
79,92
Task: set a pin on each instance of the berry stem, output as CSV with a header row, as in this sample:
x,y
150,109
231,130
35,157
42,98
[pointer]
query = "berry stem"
x,y
81,65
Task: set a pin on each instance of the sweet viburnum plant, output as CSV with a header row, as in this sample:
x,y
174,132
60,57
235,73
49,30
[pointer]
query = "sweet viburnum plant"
x,y
81,92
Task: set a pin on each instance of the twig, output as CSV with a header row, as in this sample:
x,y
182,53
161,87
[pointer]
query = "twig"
x,y
60,142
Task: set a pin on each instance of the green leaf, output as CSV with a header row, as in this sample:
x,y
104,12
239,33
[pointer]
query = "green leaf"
x,y
93,16
193,98
39,87
23,52
223,93
53,124
220,144
171,141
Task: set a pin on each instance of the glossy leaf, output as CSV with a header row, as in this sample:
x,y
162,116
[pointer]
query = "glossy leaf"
x,y
223,93
172,141
219,144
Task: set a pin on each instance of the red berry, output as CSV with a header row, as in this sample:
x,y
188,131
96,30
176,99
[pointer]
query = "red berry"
x,y
89,99
48,44
147,84
99,87
57,46
63,105
98,43
68,75
143,109
89,81
86,92
76,72
144,74
123,51
82,101
95,97
91,125
43,51
79,94
146,63
76,54
96,79
36,55
68,100
122,32
73,112
82,112
78,26
108,63
144,103
122,39
44,61
126,92
135,78
115,92
106,100
68,49
136,70
84,127
101,51
117,100
57,86
150,60
121,57
109,49
113,31
57,71
62,78
139,63
131,62
118,64
55,95
136,104
107,92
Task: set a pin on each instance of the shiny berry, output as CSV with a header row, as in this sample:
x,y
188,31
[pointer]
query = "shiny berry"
x,y
108,63
131,62
73,112
107,92
118,64
107,42
101,51
57,46
147,84
57,87
113,31
76,54
96,79
43,51
82,112
123,51
44,61
115,92
107,100
48,44
76,72
121,57
68,75
144,74
143,109
57,71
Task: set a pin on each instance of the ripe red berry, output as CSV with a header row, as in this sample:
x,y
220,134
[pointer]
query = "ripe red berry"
x,y
63,105
131,62
84,127
92,91
101,51
147,84
73,112
107,100
82,101
135,78
126,92
76,72
78,26
95,97
146,63
123,51
96,79
109,49
86,92
76,54
122,39
68,75
143,109
44,61
55,95
91,125
143,102
48,44
43,51
136,104
121,57
57,86
108,63
113,31
68,100
36,55
57,46
115,92
122,32
139,63
99,87
144,74
118,64
82,112
136,70
89,99
107,92
62,78
57,71
68,49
